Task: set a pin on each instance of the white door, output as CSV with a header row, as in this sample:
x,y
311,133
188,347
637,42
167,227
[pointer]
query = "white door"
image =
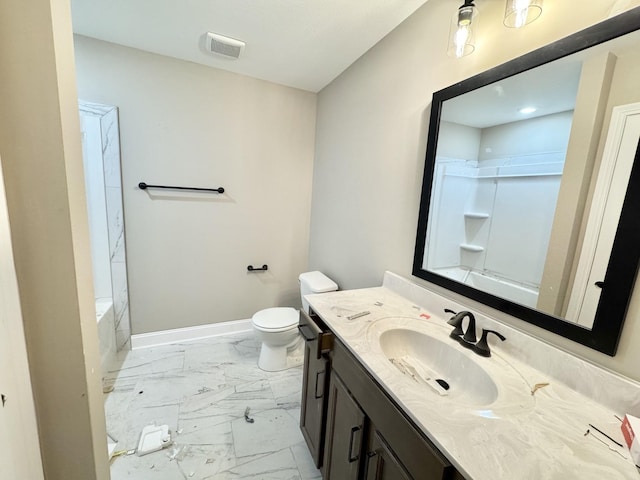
x,y
19,444
611,187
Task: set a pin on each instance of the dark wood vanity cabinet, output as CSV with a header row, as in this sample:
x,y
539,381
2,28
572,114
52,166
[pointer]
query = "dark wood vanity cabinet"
x,y
381,462
315,383
345,432
354,448
365,435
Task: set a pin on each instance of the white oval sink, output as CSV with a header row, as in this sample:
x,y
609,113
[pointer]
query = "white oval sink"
x,y
443,368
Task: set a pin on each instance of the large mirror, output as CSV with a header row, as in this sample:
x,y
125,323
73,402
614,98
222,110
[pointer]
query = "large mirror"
x,y
531,184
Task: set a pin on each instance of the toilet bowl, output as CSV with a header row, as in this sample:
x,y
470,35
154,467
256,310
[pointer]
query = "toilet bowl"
x,y
277,328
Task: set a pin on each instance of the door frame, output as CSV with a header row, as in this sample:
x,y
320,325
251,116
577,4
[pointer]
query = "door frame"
x,y
19,440
606,182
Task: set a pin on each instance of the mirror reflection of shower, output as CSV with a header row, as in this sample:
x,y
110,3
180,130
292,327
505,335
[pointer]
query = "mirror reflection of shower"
x,y
494,203
101,158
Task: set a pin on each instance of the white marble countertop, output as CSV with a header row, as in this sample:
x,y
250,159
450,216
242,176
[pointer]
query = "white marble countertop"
x,y
519,436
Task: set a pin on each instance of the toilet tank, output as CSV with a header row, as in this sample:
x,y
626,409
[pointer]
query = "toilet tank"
x,y
314,282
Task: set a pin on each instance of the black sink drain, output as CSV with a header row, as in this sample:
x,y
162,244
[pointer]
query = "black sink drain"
x,y
442,383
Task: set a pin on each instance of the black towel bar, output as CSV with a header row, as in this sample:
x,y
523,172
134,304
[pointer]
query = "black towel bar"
x,y
264,268
144,186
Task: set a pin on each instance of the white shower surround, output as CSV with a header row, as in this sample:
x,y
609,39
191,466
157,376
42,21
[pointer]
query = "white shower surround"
x,y
468,214
500,287
110,146
106,332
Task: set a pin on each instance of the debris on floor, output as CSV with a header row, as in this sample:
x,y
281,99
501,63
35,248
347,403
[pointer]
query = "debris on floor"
x,y
107,385
179,452
120,453
246,415
153,438
111,445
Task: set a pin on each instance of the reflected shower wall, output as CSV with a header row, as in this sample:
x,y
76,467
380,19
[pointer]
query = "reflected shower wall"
x,y
493,201
101,156
493,223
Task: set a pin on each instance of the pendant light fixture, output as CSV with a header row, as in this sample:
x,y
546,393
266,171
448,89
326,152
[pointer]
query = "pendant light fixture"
x,y
519,13
461,34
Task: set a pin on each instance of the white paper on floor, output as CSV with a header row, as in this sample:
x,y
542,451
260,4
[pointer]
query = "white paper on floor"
x,y
153,438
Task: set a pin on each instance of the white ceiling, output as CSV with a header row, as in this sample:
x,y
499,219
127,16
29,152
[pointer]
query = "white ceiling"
x,y
299,43
550,88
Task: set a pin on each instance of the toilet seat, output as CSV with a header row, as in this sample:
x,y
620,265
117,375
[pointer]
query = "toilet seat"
x,y
276,319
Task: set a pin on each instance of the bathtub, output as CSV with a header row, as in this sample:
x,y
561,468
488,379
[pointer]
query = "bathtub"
x,y
521,294
106,332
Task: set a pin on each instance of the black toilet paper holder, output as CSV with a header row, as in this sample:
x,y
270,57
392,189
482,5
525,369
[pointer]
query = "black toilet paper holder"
x,y
264,268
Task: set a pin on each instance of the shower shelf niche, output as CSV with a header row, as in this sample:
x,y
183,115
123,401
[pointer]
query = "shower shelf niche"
x,y
478,215
471,248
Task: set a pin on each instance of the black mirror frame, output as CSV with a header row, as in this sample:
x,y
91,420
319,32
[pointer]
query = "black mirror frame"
x,y
625,255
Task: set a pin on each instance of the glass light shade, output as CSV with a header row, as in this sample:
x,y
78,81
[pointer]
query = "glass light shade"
x,y
519,13
461,32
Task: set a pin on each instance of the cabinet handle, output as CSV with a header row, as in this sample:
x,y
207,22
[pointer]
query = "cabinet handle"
x,y
306,331
321,394
370,456
354,431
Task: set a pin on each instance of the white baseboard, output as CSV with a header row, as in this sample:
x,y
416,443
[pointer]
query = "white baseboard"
x,y
166,337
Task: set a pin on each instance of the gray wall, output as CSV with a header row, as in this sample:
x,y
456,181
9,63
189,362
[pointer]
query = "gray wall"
x,y
187,124
371,137
549,133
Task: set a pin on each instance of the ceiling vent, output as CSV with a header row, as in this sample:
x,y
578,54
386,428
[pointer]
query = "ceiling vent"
x,y
225,46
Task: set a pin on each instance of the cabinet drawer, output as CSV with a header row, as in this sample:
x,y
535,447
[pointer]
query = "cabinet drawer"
x,y
313,328
421,459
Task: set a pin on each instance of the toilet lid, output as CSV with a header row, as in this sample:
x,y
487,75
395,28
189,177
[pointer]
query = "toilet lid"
x,y
276,318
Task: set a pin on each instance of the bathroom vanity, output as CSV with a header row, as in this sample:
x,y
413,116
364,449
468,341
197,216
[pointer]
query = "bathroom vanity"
x,y
370,410
357,431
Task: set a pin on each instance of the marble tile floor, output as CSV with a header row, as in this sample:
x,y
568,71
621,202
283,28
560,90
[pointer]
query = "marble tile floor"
x,y
201,390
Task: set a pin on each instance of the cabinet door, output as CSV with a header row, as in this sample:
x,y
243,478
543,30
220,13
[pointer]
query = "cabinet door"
x,y
417,455
345,424
312,414
382,464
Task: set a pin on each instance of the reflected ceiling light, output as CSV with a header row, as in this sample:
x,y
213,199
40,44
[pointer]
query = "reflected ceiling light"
x,y
527,110
463,24
518,13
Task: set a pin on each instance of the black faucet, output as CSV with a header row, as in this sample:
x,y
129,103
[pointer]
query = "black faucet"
x,y
482,347
468,338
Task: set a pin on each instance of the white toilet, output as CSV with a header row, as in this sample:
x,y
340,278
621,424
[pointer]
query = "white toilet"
x,y
277,328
